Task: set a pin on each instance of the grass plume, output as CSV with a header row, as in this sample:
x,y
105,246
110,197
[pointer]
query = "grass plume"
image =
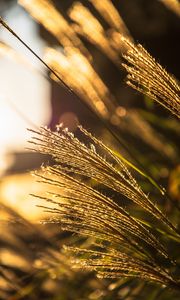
x,y
114,239
150,78
81,159
44,12
111,15
85,24
122,245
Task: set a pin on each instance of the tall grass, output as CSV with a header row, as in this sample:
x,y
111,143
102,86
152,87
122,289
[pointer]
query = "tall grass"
x,y
93,190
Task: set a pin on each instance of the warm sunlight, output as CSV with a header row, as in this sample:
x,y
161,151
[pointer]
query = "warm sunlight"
x,y
24,93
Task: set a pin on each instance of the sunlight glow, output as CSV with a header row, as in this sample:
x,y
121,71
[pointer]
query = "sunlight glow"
x,y
25,93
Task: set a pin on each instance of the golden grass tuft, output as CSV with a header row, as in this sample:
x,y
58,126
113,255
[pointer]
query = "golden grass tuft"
x,y
150,78
121,245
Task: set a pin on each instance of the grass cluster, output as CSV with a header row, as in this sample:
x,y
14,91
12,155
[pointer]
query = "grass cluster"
x,y
124,223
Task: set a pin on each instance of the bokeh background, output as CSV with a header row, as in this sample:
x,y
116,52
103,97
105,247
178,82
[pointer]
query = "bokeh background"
x,y
29,98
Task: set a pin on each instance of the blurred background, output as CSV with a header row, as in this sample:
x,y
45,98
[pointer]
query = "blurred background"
x,y
86,52
29,99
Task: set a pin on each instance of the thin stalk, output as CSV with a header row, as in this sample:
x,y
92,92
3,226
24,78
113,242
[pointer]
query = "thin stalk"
x,y
105,124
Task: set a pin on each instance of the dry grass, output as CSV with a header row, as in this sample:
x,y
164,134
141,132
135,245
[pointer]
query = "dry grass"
x,y
84,160
118,244
44,12
148,77
122,245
